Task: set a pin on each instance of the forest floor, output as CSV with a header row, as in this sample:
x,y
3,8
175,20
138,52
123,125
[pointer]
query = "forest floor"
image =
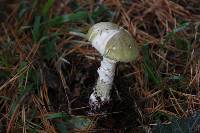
x,y
47,72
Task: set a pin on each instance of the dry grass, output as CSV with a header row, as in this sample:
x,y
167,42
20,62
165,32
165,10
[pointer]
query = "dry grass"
x,y
39,81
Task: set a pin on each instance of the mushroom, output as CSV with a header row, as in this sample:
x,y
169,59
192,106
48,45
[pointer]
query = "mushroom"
x,y
115,44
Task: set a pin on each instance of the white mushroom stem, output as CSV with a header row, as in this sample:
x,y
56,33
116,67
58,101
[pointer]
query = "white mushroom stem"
x,y
101,92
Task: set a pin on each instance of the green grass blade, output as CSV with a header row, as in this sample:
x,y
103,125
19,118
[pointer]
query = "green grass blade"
x,y
57,116
47,6
49,48
23,8
182,27
99,11
5,98
73,17
36,29
149,67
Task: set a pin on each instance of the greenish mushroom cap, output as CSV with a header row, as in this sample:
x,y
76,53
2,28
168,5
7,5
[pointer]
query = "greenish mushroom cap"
x,y
119,47
100,27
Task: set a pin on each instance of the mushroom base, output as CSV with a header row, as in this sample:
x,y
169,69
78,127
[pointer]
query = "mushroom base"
x,y
101,92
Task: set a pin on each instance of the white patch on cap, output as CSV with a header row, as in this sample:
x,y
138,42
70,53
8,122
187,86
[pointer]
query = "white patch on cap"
x,y
101,39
